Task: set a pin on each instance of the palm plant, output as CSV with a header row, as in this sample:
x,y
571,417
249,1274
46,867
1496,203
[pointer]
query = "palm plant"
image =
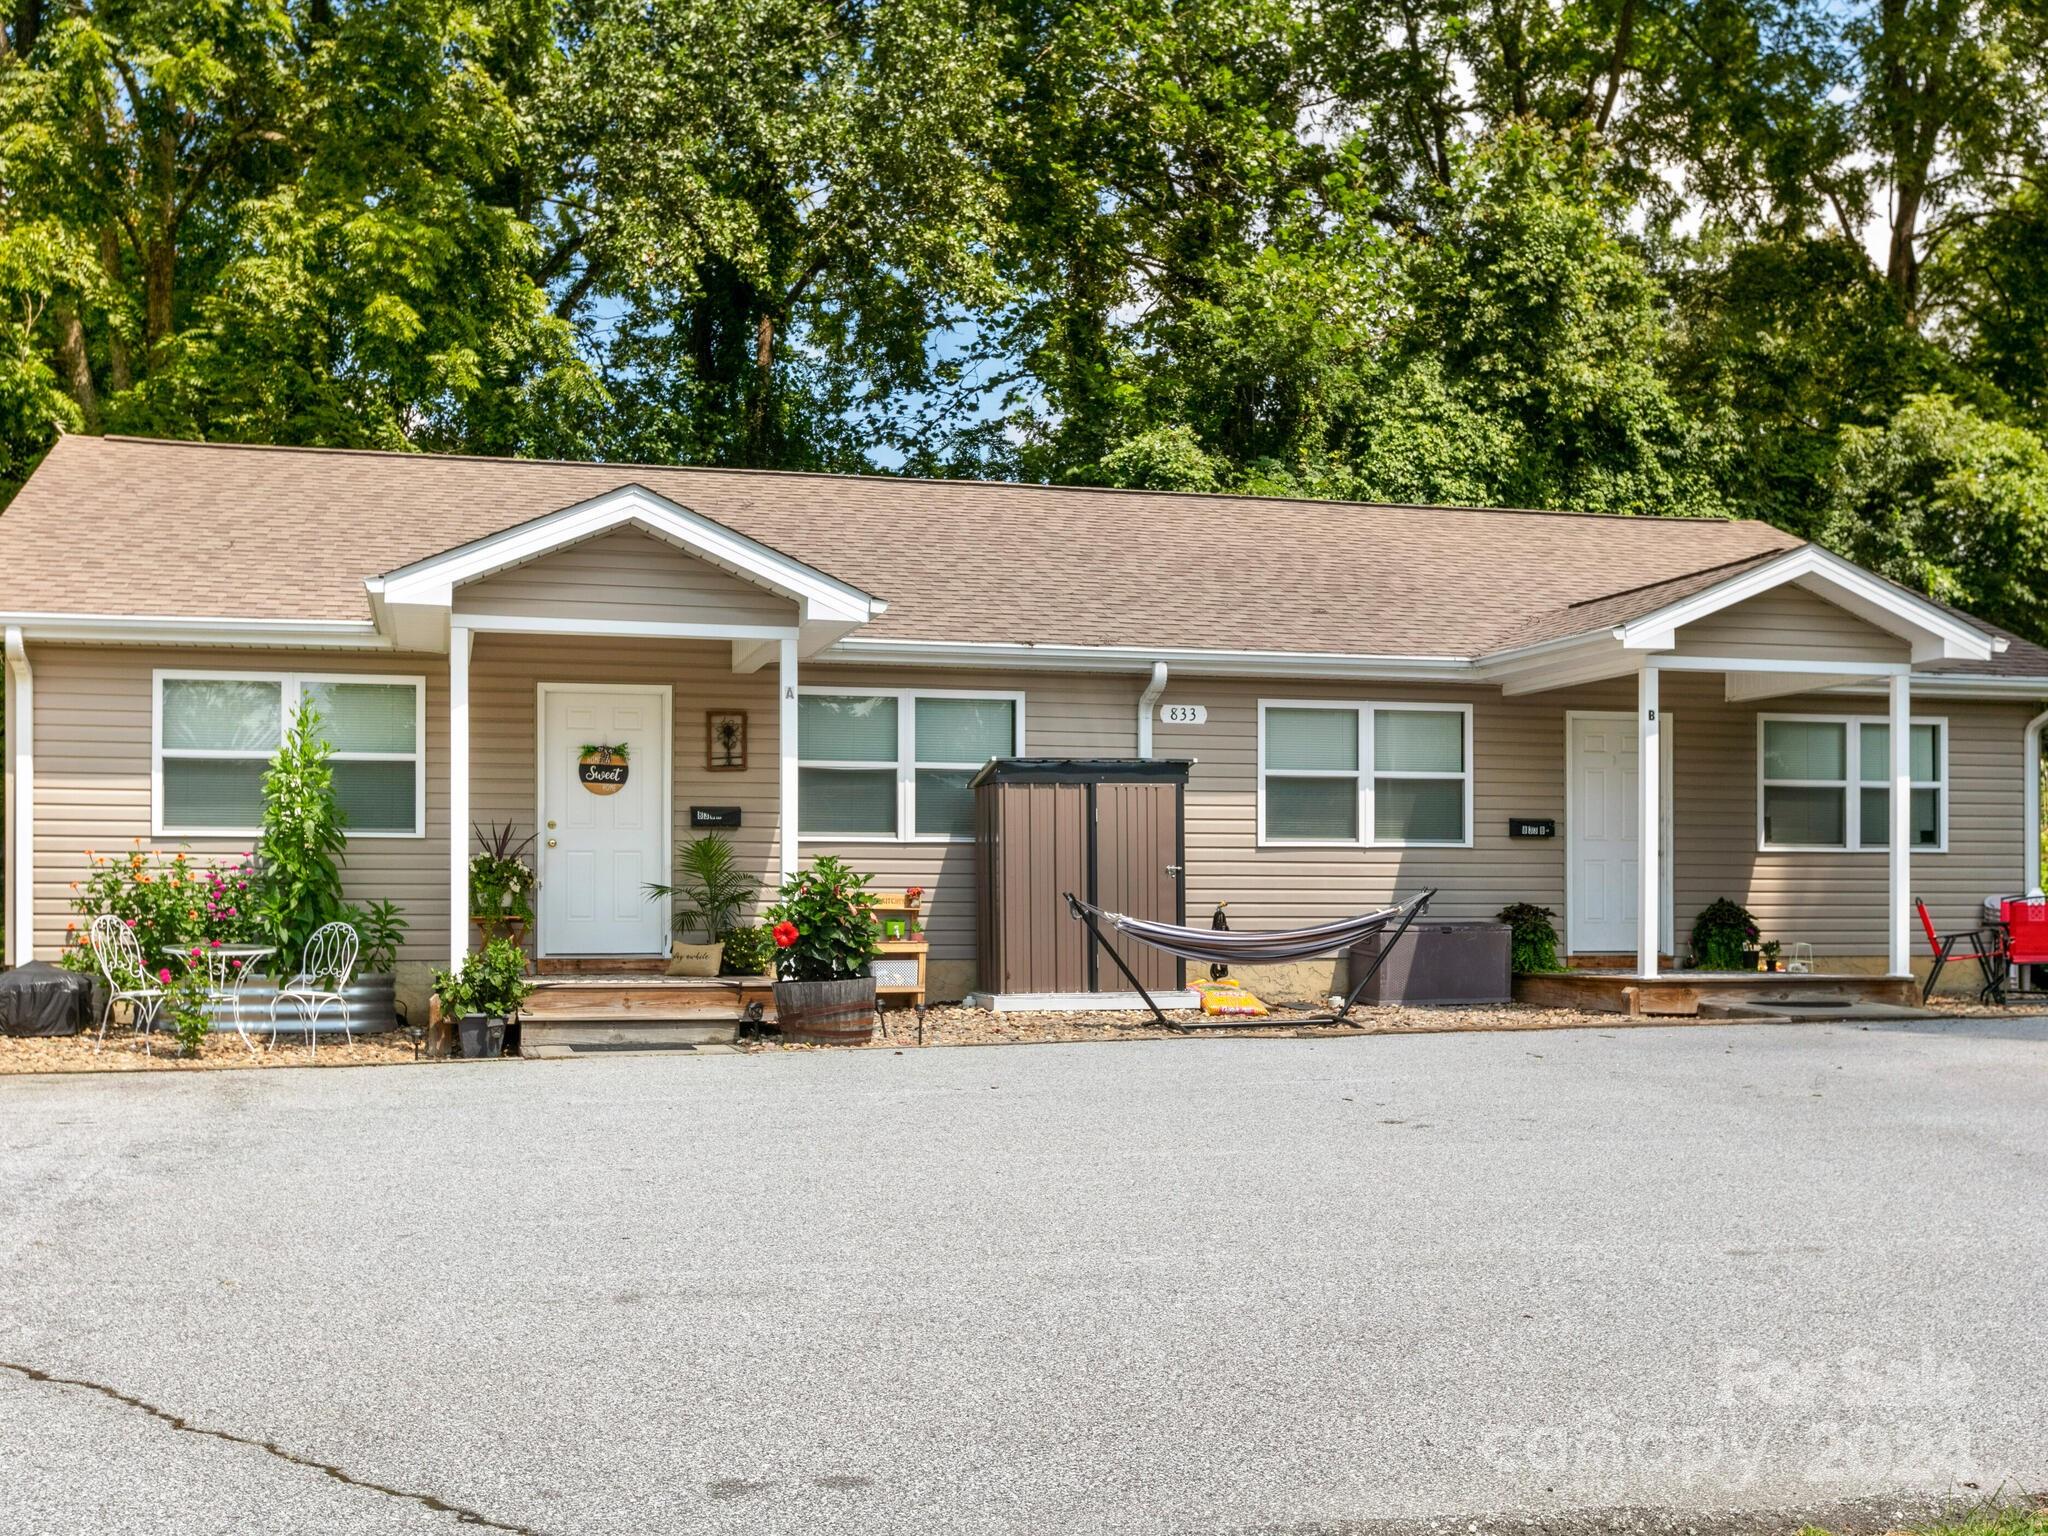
x,y
710,889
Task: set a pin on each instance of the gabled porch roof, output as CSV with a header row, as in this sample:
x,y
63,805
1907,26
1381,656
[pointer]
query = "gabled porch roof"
x,y
412,605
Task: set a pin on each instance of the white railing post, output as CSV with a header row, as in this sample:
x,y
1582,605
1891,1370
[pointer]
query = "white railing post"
x,y
459,638
1649,781
1899,928
21,802
786,750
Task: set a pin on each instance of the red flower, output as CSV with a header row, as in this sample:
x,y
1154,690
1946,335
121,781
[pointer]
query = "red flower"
x,y
785,935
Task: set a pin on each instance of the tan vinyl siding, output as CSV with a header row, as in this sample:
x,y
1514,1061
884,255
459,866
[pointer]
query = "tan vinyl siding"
x,y
1789,623
1833,901
92,746
505,673
1065,715
625,574
1517,755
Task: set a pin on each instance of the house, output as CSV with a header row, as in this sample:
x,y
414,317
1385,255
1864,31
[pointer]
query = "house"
x,y
1375,698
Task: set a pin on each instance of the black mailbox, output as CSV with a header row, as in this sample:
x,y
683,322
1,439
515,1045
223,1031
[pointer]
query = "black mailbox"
x,y
714,817
1531,826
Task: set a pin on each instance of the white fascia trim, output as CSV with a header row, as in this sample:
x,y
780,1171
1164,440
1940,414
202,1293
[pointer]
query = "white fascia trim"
x,y
1141,659
1776,664
641,629
177,629
1935,634
2027,688
431,582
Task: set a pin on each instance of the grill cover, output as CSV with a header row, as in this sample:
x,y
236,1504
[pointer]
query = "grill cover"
x,y
44,999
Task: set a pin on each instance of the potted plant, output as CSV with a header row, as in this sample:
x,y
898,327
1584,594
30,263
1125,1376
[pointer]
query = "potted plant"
x,y
1772,949
748,950
710,893
825,935
1724,937
1532,938
501,882
484,996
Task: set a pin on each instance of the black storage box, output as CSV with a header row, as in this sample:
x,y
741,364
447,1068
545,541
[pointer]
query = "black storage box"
x,y
1438,963
44,999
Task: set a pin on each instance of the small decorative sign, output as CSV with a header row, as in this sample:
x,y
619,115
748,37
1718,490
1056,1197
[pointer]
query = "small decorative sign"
x,y
602,767
1531,826
712,817
725,740
1183,714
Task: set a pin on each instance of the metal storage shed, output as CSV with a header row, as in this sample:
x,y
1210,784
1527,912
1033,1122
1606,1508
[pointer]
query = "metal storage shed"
x,y
1110,830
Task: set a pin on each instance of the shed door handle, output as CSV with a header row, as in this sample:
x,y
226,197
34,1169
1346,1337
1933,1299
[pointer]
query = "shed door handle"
x,y
1173,871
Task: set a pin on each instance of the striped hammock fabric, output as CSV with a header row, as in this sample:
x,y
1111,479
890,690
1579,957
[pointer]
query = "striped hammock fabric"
x,y
1233,946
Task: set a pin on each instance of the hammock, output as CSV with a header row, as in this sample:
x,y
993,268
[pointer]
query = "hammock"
x,y
1232,946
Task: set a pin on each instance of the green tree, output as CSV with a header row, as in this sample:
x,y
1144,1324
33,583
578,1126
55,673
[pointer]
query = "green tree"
x,y
784,201
1943,501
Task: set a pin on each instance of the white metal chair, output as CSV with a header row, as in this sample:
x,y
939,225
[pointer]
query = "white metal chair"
x,y
120,960
330,956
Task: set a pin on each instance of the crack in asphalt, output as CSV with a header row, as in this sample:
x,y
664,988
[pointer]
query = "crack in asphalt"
x,y
440,1506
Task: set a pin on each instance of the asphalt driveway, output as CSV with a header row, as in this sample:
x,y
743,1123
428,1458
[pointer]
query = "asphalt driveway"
x,y
1184,1286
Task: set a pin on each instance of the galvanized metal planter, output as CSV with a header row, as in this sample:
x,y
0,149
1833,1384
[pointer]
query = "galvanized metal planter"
x,y
372,1004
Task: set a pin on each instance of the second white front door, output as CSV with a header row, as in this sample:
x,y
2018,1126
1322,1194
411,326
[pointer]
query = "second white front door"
x,y
601,841
1602,812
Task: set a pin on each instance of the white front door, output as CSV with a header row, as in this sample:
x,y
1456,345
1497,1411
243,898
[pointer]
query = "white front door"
x,y
598,851
1603,846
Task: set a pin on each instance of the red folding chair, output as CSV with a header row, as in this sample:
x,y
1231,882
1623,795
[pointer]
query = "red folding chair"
x,y
1987,947
2026,937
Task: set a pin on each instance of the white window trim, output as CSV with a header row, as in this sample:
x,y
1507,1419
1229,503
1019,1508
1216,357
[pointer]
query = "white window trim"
x,y
289,686
1853,784
906,763
1367,775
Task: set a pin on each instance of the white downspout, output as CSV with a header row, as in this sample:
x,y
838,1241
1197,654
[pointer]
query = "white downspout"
x,y
2031,865
21,801
1146,700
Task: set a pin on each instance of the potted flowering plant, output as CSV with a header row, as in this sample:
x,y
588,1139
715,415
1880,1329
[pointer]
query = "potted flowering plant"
x,y
825,934
1724,937
484,997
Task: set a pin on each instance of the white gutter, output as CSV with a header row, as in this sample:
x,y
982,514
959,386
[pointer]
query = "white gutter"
x,y
179,629
860,649
1146,700
21,801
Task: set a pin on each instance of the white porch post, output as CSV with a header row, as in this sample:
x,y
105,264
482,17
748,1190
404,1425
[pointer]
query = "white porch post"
x,y
786,747
459,637
1900,927
21,802
1649,780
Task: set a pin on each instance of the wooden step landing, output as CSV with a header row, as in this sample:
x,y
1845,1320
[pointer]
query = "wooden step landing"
x,y
590,1012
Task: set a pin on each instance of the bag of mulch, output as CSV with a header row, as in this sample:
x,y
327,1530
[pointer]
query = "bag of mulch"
x,y
1229,1000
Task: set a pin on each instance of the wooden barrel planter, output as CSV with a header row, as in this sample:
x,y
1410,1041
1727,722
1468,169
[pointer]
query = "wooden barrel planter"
x,y
826,1012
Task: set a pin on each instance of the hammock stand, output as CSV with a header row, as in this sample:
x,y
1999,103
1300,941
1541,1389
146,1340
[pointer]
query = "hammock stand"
x,y
1233,946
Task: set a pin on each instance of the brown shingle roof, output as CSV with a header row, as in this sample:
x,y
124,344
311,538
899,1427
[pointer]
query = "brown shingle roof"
x,y
133,526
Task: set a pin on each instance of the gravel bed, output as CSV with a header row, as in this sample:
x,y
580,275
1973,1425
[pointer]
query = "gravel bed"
x,y
950,1024
220,1052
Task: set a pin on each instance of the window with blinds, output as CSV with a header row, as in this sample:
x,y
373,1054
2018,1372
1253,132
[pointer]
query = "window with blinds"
x,y
216,734
1824,782
1365,774
895,765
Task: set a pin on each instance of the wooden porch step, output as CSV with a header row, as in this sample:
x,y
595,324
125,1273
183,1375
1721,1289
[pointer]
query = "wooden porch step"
x,y
549,1037
601,965
650,999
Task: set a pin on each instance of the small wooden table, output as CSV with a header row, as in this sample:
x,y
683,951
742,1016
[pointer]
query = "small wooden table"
x,y
900,963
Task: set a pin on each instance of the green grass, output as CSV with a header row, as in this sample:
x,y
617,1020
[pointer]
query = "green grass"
x,y
2028,1518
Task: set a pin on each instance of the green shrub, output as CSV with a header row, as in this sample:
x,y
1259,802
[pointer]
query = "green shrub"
x,y
749,951
1720,934
824,924
492,981
1532,945
302,843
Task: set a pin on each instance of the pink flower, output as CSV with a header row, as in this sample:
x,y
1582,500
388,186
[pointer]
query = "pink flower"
x,y
131,922
164,975
214,942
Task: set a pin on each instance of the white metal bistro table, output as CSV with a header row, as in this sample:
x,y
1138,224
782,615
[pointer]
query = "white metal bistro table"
x,y
228,968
